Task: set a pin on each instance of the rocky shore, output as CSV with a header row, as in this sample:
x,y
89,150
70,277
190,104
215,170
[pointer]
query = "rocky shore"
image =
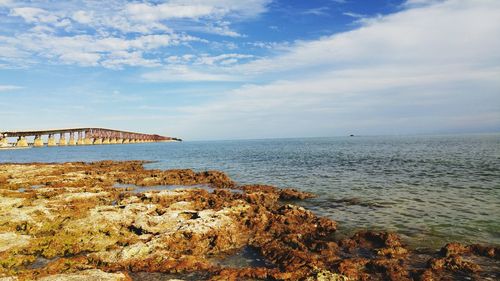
x,y
99,221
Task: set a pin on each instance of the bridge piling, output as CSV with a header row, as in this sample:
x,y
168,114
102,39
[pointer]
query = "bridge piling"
x,y
80,140
62,139
51,141
71,141
38,142
22,142
87,138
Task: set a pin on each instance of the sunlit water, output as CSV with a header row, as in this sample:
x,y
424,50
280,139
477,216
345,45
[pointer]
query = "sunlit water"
x,y
430,189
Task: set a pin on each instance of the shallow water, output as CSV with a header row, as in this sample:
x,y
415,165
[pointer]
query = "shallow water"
x,y
245,257
431,189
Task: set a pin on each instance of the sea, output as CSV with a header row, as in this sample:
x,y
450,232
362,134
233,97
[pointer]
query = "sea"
x,y
430,189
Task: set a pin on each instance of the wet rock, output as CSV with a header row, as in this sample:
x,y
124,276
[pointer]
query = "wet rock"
x,y
284,194
486,251
293,194
451,249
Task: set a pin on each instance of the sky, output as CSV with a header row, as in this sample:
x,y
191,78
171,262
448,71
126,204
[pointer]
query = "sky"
x,y
246,69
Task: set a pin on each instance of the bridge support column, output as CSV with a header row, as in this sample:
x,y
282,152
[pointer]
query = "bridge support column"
x,y
81,140
22,142
87,141
4,141
98,141
38,142
62,140
112,141
119,141
72,139
125,141
105,141
51,141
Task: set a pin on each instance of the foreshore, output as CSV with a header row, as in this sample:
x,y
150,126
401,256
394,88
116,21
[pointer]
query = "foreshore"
x,y
113,220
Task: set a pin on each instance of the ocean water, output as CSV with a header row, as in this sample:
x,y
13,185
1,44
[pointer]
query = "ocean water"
x,y
429,189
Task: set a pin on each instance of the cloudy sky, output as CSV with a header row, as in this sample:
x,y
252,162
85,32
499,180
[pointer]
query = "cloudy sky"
x,y
231,69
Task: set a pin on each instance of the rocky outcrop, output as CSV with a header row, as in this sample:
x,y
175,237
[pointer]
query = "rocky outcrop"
x,y
70,222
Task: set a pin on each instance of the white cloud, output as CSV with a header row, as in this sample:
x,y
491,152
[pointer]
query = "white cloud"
x,y
40,16
240,9
221,59
118,59
147,12
82,17
221,28
418,70
87,32
354,15
8,88
276,46
426,38
321,11
5,3
423,36
197,68
205,59
89,50
85,59
431,66
143,17
33,14
182,73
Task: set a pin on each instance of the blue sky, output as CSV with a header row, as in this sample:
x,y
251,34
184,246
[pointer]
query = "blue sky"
x,y
231,69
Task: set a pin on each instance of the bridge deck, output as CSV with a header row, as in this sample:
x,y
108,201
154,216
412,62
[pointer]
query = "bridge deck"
x,y
59,131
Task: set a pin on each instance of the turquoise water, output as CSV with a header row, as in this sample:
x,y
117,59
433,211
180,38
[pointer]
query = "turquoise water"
x,y
430,189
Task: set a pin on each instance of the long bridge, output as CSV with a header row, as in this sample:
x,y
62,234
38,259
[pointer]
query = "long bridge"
x,y
80,136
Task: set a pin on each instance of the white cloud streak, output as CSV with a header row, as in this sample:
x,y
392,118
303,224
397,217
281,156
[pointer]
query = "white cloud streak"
x,y
88,50
321,11
147,12
9,88
182,73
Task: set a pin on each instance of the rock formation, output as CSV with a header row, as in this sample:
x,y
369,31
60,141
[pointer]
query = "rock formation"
x,y
71,221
